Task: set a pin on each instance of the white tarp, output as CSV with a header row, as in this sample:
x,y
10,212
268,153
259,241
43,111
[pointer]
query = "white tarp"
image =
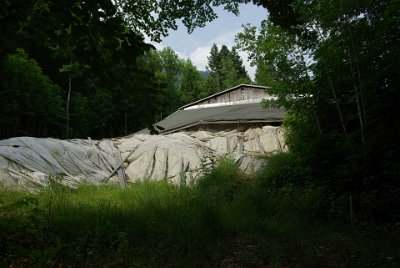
x,y
29,162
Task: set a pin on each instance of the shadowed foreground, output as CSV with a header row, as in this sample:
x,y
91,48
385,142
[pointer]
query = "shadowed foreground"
x,y
227,219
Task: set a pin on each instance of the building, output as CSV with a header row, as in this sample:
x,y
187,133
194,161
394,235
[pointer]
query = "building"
x,y
239,107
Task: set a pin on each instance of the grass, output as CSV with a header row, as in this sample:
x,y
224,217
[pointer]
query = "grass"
x,y
226,220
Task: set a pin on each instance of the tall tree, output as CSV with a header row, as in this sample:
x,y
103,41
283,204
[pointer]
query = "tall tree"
x,y
214,68
166,67
30,103
190,87
331,69
73,42
78,43
225,69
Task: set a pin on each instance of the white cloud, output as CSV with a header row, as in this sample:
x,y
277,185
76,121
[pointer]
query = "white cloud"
x,y
199,57
200,54
221,31
181,55
160,46
227,39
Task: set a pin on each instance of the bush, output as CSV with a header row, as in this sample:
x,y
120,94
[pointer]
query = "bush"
x,y
283,170
222,183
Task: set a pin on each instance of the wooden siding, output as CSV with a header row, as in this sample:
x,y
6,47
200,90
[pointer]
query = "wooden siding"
x,y
240,94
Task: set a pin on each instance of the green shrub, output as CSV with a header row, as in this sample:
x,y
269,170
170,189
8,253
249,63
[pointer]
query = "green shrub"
x,y
222,183
283,170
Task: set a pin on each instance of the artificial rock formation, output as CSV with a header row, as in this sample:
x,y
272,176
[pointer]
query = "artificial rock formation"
x,y
29,163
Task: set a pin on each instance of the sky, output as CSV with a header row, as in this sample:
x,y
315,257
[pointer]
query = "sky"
x,y
221,31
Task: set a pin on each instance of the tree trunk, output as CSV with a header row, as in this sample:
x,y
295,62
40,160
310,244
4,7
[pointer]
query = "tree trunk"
x,y
339,110
68,102
317,121
358,104
357,67
355,74
126,121
337,104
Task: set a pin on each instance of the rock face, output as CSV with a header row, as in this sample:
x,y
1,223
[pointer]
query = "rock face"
x,y
29,163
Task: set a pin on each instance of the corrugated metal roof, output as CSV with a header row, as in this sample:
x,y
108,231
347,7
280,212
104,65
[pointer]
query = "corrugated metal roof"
x,y
241,113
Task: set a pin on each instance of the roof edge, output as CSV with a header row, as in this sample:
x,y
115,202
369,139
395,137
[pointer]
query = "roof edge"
x,y
206,122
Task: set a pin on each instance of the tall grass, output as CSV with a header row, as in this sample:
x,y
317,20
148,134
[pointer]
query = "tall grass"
x,y
226,217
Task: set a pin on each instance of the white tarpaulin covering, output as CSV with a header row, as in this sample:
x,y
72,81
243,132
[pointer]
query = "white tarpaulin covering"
x,y
29,162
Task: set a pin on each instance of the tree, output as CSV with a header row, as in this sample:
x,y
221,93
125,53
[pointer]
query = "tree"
x,y
30,103
155,18
79,43
346,88
238,63
225,69
190,86
229,74
166,67
214,68
80,38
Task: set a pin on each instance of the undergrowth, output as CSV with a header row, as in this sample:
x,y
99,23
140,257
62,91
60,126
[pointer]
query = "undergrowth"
x,y
227,218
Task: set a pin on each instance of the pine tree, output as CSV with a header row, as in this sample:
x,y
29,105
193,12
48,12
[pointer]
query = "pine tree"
x,y
226,69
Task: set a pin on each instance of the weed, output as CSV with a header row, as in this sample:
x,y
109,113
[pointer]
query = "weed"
x,y
223,219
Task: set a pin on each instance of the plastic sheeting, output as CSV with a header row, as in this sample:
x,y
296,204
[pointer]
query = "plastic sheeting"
x,y
30,163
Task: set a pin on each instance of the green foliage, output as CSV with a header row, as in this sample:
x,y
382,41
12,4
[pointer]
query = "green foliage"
x,y
86,48
337,79
178,82
190,88
225,69
285,170
334,67
281,64
167,69
30,102
156,18
104,225
223,216
222,182
90,50
282,13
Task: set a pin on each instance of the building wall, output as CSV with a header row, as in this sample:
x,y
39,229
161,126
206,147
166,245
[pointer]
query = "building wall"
x,y
243,94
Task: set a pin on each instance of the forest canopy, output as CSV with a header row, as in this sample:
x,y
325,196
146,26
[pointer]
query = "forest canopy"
x,y
103,79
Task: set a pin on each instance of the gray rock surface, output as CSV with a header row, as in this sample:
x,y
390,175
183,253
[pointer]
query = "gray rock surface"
x,y
29,163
